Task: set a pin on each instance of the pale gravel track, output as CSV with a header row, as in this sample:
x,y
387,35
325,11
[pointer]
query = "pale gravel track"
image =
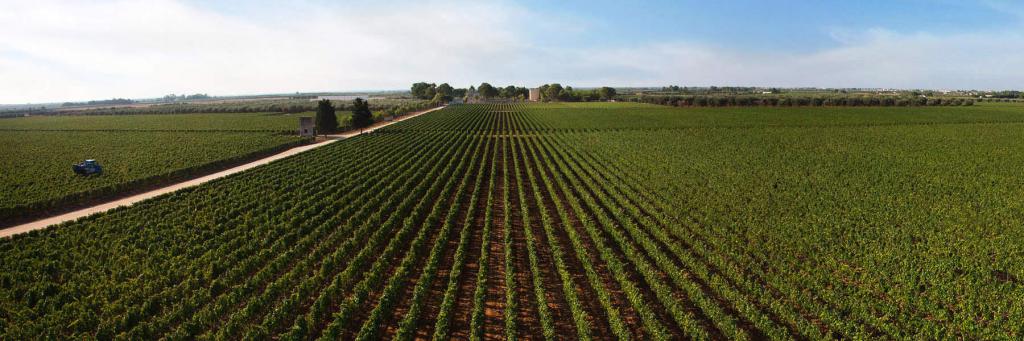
x,y
128,201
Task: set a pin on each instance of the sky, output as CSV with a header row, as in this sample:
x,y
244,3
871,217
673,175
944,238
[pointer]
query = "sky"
x,y
54,51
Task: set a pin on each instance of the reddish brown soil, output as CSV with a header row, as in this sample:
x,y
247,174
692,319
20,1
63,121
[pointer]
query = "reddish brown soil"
x,y
432,304
597,318
463,310
553,293
494,302
618,298
402,307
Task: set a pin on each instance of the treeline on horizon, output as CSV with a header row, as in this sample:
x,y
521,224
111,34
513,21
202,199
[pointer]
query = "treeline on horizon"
x,y
555,92
184,97
548,92
749,96
852,100
446,93
390,106
1012,94
112,101
124,101
704,97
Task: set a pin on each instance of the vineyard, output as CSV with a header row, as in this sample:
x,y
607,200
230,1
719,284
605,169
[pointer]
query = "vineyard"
x,y
566,221
137,152
241,122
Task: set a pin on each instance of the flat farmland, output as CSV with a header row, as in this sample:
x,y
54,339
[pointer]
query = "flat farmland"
x,y
566,221
265,122
136,152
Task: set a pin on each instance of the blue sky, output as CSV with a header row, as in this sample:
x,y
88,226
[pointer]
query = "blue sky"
x,y
770,25
54,50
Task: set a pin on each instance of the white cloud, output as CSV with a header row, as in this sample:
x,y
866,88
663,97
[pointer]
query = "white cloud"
x,y
55,51
87,50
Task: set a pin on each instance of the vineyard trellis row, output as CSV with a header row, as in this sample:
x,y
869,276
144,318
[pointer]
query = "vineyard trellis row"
x,y
486,221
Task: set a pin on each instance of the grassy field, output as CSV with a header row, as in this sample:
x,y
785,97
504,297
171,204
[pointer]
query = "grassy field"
x,y
572,221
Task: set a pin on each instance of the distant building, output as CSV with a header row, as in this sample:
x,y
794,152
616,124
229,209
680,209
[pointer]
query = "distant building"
x,y
307,128
534,94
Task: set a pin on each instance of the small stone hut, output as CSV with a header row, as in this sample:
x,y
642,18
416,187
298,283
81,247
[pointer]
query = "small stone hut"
x,y
307,128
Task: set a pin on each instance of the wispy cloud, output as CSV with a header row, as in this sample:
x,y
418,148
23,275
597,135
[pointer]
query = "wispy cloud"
x,y
874,58
1012,7
55,51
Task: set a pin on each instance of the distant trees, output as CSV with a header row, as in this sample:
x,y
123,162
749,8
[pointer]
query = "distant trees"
x,y
423,90
487,91
771,100
439,99
555,92
507,92
326,119
1007,94
551,92
113,101
445,90
446,93
606,93
459,93
183,97
361,115
443,93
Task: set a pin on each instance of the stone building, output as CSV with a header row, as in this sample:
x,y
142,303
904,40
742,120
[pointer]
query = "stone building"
x,y
307,128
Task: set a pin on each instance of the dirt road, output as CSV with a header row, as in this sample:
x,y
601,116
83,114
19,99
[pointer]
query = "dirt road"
x,y
43,223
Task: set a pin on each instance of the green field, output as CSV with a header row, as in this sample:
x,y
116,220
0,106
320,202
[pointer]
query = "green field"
x,y
136,151
636,115
575,221
235,122
271,122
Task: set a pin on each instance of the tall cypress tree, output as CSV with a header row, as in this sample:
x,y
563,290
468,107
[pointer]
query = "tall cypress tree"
x,y
326,120
361,115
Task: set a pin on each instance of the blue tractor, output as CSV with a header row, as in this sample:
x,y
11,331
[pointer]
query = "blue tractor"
x,y
87,167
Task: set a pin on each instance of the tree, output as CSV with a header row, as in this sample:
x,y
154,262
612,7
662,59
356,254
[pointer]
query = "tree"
x,y
568,94
423,90
552,92
361,115
459,93
445,91
487,91
522,92
509,91
326,120
439,99
606,93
